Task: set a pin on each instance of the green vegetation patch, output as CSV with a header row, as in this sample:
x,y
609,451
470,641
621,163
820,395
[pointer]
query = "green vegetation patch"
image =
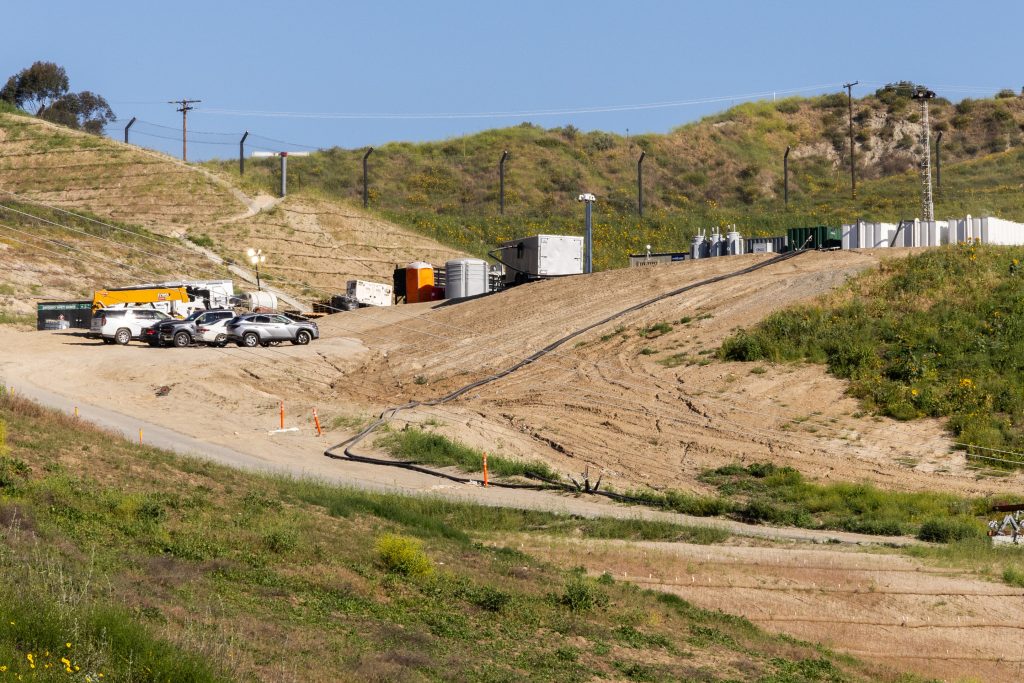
x,y
939,334
435,449
768,494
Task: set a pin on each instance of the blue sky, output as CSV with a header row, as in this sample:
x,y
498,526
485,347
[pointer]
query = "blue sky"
x,y
461,57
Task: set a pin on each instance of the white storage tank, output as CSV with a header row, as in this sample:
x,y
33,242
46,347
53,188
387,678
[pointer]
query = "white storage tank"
x,y
465,277
698,248
262,301
715,249
734,242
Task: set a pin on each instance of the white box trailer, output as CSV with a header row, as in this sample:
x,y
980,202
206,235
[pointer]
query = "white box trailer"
x,y
368,293
540,256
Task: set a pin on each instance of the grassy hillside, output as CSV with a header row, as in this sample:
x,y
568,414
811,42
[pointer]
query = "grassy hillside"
x,y
724,169
130,562
51,255
938,334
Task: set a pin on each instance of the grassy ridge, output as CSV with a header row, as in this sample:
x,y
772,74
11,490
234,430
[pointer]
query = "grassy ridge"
x,y
725,169
939,334
156,567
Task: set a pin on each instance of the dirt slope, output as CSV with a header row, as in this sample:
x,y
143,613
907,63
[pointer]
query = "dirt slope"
x,y
937,622
316,245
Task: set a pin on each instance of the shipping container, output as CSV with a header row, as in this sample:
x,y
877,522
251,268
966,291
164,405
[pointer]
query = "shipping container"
x,y
61,315
817,237
540,256
638,260
368,293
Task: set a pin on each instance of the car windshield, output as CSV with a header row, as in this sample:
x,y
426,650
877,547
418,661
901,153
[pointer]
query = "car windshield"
x,y
195,315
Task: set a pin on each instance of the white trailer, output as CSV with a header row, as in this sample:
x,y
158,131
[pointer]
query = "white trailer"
x,y
365,293
540,256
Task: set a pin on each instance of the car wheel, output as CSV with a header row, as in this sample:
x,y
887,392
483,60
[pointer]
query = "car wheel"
x,y
123,336
302,337
182,339
250,339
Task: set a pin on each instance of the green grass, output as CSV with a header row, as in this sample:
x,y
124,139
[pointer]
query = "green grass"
x,y
158,567
940,334
781,496
435,449
17,319
448,190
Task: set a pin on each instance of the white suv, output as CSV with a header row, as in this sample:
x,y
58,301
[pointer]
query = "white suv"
x,y
121,325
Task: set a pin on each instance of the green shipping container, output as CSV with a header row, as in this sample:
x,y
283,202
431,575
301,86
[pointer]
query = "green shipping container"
x,y
820,237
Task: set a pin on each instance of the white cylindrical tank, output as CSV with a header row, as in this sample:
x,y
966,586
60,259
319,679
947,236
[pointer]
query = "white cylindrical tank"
x,y
697,247
262,301
734,242
465,277
715,248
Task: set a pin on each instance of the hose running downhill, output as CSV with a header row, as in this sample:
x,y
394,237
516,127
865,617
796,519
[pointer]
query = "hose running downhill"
x,y
344,451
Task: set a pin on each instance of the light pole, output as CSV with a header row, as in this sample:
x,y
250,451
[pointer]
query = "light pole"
x,y
588,240
256,257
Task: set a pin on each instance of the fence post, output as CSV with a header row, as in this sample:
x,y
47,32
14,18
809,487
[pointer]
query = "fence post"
x,y
366,187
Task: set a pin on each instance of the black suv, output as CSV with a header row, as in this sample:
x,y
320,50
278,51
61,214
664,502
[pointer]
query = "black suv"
x,y
182,333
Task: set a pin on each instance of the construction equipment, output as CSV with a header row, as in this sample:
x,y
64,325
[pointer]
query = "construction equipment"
x,y
171,300
1009,530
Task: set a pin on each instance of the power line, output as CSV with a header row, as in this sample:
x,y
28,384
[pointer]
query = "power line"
x,y
513,114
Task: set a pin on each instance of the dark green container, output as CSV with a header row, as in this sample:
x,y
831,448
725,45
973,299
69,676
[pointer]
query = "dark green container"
x,y
821,237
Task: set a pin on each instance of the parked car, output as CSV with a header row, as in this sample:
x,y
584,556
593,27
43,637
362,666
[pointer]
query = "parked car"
x,y
263,329
182,333
213,333
121,325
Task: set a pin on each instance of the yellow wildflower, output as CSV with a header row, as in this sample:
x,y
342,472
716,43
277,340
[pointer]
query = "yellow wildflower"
x,y
3,668
913,392
31,660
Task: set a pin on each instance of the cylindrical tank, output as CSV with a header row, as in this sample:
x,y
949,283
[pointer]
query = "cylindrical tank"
x,y
419,282
734,242
465,277
262,301
715,248
697,247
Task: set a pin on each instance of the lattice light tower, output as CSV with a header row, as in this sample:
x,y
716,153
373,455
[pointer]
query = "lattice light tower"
x,y
922,94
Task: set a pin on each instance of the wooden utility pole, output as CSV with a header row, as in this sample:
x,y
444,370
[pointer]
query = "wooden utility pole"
x,y
184,106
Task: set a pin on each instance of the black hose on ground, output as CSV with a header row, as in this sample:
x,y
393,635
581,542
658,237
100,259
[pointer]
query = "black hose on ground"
x,y
544,484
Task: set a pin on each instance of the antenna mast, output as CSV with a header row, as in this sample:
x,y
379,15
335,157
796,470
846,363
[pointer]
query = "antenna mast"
x,y
927,205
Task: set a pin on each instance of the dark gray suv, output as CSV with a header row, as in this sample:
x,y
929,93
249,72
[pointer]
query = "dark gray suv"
x,y
263,329
182,333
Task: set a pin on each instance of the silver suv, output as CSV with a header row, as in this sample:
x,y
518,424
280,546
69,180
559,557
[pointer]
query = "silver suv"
x,y
263,329
121,325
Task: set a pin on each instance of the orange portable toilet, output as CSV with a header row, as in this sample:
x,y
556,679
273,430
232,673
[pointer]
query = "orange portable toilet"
x,y
419,282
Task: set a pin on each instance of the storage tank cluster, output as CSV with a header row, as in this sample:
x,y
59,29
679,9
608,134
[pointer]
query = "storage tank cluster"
x,y
918,233
715,244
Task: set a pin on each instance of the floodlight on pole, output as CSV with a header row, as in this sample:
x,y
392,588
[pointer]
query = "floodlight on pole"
x,y
588,240
256,257
284,165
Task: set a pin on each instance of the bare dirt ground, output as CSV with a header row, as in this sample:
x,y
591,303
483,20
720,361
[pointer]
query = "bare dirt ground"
x,y
603,400
314,244
935,621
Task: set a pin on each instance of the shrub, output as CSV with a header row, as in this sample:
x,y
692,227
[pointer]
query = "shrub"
x,y
582,594
1005,93
788,106
403,555
948,529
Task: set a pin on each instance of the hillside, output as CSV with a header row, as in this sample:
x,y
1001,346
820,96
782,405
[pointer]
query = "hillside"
x,y
176,569
723,169
115,214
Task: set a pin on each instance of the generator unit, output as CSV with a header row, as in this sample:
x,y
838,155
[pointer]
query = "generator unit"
x,y
540,256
